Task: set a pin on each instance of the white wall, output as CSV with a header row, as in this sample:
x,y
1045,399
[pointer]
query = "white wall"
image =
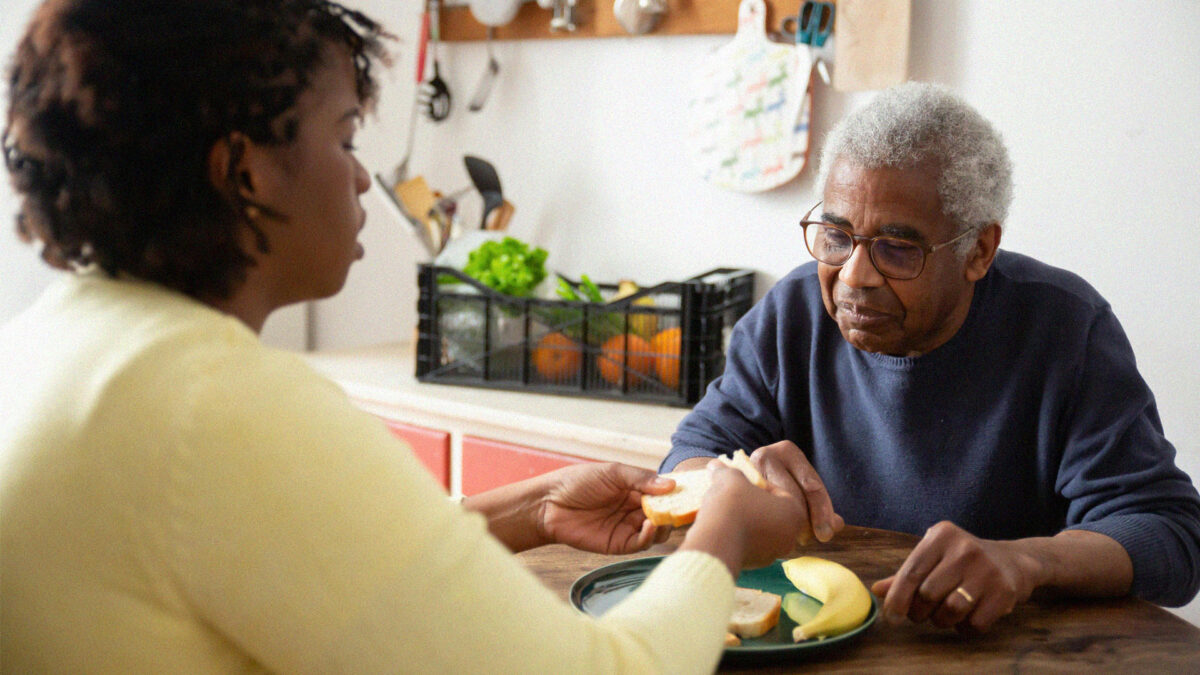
x,y
22,273
1099,115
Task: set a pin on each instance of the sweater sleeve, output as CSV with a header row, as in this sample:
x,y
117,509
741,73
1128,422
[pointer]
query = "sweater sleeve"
x,y
740,410
1118,471
309,537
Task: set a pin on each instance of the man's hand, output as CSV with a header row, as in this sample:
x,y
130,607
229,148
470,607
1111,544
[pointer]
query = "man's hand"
x,y
785,466
598,507
954,579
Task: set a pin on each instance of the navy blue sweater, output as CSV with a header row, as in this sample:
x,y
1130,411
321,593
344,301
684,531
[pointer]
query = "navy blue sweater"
x,y
1031,419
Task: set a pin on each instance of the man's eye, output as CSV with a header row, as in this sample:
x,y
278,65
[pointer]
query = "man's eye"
x,y
835,238
896,252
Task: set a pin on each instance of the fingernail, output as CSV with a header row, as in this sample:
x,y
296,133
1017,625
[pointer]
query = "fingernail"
x,y
824,532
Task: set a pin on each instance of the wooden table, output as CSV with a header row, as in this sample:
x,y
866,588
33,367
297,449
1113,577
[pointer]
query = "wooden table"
x,y
1043,635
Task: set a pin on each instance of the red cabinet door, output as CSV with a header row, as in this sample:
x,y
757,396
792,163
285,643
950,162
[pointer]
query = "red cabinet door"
x,y
487,464
430,446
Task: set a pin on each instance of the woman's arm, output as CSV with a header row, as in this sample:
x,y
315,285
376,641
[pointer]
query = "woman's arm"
x,y
595,507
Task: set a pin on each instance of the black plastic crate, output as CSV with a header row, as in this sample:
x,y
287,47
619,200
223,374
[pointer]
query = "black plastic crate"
x,y
665,352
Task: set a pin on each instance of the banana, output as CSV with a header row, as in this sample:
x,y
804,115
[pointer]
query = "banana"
x,y
642,324
845,600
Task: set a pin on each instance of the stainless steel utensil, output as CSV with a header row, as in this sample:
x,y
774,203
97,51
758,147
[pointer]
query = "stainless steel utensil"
x,y
435,94
638,17
484,88
400,173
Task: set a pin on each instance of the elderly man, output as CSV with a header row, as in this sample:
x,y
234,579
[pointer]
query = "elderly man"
x,y
917,379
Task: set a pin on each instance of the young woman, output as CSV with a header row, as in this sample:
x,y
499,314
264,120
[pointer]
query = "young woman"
x,y
179,498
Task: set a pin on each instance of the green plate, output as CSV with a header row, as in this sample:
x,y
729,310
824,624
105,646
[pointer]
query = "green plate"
x,y
599,590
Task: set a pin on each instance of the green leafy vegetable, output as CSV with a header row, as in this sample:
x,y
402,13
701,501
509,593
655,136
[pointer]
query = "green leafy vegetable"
x,y
509,266
602,325
567,292
590,289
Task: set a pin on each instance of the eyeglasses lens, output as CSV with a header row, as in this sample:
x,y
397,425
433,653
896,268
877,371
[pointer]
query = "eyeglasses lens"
x,y
897,259
893,258
828,244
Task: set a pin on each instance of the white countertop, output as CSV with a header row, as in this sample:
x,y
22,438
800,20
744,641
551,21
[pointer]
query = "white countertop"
x,y
381,380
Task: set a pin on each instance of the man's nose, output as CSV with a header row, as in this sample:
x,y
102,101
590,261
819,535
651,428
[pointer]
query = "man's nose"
x,y
859,271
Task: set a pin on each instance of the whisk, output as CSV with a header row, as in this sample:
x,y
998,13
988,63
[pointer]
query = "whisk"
x,y
434,94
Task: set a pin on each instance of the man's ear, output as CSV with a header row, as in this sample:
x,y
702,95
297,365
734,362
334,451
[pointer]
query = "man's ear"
x,y
981,257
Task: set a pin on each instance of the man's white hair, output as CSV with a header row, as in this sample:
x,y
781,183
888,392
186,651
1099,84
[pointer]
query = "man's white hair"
x,y
914,123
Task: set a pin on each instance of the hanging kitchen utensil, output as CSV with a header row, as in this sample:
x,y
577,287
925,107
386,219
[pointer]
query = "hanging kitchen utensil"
x,y
484,176
416,226
400,173
489,77
435,94
495,12
747,127
638,17
812,27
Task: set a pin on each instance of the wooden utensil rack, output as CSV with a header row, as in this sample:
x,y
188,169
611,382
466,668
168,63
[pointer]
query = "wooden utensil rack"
x,y
596,19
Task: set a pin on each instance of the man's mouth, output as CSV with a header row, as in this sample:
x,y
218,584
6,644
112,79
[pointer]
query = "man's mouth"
x,y
862,316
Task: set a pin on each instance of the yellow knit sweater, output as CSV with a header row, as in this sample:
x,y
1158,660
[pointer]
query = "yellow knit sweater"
x,y
177,498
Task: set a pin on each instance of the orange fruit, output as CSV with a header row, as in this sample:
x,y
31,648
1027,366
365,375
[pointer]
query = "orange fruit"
x,y
557,357
666,346
622,355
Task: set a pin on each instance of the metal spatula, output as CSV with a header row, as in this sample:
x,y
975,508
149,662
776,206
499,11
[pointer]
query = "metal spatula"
x,y
484,88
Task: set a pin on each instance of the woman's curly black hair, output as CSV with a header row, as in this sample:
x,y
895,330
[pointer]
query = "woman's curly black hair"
x,y
114,106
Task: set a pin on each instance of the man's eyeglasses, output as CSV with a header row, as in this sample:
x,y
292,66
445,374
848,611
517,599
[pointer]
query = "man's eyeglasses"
x,y
893,257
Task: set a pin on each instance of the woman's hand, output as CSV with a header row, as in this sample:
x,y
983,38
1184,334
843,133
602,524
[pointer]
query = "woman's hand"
x,y
742,524
598,507
785,466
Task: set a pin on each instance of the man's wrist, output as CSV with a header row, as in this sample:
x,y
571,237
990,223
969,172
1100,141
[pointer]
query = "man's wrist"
x,y
692,463
1034,559
1075,562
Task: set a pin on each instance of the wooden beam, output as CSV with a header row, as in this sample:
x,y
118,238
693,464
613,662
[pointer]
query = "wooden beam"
x,y
595,19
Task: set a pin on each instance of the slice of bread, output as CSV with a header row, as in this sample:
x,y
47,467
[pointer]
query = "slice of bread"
x,y
679,506
741,462
754,612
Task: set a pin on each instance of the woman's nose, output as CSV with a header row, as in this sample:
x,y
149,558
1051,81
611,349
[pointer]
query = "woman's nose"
x,y
362,179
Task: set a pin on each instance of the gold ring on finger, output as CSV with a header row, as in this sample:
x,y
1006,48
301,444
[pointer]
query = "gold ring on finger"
x,y
966,596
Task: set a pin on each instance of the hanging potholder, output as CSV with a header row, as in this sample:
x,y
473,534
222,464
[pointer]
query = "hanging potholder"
x,y
748,121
